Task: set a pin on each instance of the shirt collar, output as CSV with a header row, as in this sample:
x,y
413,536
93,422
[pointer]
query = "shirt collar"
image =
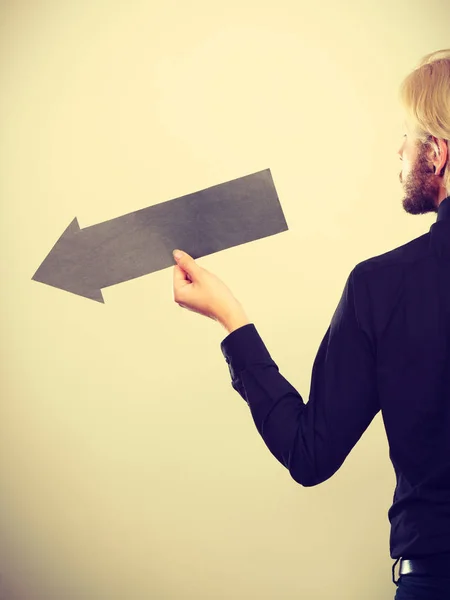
x,y
444,210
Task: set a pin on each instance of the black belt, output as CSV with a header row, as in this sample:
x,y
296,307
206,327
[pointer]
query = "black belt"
x,y
437,565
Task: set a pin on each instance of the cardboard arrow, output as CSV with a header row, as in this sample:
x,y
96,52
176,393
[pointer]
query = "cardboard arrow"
x,y
84,261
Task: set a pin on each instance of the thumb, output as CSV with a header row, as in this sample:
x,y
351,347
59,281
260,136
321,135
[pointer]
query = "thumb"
x,y
187,263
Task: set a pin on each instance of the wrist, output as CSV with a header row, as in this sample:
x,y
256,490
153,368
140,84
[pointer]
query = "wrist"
x,y
235,320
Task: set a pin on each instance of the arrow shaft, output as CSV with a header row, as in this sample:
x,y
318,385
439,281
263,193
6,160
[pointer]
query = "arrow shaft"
x,y
142,242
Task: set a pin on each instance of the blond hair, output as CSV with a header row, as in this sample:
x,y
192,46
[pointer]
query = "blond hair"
x,y
425,97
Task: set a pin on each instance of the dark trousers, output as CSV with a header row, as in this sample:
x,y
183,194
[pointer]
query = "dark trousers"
x,y
421,587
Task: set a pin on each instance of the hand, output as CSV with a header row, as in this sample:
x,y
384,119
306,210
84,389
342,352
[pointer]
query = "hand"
x,y
198,290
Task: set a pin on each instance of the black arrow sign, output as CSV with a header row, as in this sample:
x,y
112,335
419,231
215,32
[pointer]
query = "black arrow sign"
x,y
83,261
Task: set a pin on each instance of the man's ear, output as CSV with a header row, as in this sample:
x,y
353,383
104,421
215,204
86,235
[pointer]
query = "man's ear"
x,y
441,154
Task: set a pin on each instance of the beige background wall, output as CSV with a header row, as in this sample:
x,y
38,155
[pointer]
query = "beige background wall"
x,y
129,467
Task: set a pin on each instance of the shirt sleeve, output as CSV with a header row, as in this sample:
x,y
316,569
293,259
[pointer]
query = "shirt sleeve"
x,y
311,440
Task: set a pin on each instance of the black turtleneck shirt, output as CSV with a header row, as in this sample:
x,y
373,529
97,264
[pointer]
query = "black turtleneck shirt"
x,y
387,348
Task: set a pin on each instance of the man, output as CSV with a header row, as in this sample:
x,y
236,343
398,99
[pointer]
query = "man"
x,y
387,348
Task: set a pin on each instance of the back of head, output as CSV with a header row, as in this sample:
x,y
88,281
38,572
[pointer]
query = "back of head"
x,y
425,98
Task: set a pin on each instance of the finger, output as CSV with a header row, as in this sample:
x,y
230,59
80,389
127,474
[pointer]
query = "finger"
x,y
179,276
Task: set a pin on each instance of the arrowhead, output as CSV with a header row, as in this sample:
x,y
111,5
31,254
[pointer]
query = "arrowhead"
x,y
63,267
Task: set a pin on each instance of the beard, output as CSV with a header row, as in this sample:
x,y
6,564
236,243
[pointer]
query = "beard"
x,y
421,186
